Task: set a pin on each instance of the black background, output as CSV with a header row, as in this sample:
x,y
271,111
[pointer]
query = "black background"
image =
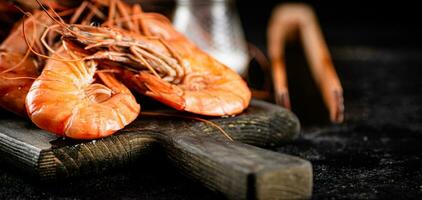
x,y
347,22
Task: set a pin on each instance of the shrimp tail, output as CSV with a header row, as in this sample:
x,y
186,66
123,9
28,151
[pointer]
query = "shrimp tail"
x,y
155,87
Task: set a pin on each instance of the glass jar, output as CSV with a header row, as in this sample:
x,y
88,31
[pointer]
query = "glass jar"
x,y
215,27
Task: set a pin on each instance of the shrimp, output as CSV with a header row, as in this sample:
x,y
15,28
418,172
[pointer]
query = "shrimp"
x,y
164,65
210,87
19,67
66,100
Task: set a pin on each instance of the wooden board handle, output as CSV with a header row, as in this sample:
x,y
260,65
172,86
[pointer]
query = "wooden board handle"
x,y
238,170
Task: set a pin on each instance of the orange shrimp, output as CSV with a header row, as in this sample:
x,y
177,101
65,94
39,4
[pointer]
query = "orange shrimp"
x,y
209,88
18,67
66,100
165,65
160,62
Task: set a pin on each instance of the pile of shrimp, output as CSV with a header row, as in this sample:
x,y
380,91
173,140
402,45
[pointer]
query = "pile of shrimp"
x,y
74,71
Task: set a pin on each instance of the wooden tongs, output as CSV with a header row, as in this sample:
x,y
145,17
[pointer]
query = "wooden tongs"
x,y
287,20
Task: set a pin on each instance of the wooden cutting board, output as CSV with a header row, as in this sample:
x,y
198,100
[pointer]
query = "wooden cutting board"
x,y
238,169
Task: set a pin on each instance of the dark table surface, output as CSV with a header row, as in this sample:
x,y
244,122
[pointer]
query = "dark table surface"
x,y
375,154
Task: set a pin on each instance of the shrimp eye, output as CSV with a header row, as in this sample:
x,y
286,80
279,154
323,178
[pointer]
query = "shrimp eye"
x,y
73,28
95,24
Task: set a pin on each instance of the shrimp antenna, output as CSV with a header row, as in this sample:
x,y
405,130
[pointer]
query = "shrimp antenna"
x,y
39,54
28,14
48,13
26,53
60,22
30,49
18,78
17,65
21,10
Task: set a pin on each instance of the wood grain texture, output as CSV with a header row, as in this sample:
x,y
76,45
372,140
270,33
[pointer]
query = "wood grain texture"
x,y
238,170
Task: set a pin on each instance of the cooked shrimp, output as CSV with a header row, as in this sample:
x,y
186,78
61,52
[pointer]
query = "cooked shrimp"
x,y
18,67
208,88
66,100
165,65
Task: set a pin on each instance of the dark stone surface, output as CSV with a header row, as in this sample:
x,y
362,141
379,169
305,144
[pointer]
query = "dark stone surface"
x,y
375,154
